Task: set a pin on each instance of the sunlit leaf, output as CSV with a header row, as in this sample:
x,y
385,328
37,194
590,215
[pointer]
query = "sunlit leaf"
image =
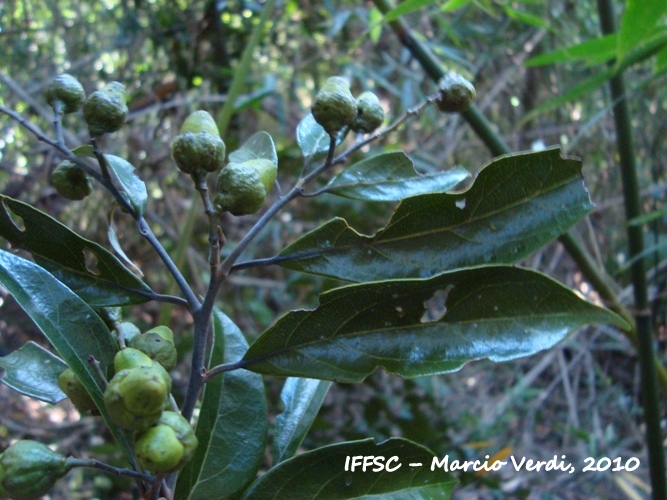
x,y
407,7
424,327
33,371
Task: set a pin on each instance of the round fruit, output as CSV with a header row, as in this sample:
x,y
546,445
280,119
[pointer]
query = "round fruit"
x,y
370,114
70,384
267,170
105,110
158,449
334,107
156,348
29,469
163,331
240,189
66,90
128,358
198,152
136,397
200,121
71,182
455,93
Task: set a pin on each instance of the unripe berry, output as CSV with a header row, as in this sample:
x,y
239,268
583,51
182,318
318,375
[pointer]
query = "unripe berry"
x,y
334,106
70,384
240,188
67,90
29,469
128,358
199,146
455,93
105,110
370,114
167,446
163,331
71,182
156,348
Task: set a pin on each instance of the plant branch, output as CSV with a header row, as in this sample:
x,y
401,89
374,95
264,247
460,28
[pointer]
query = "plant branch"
x,y
96,464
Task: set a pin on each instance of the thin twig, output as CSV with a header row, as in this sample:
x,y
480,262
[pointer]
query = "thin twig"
x,y
96,464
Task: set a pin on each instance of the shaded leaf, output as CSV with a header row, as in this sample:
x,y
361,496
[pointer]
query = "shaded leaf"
x,y
33,371
302,398
406,7
112,235
72,327
232,425
391,177
516,205
87,268
321,474
495,312
258,146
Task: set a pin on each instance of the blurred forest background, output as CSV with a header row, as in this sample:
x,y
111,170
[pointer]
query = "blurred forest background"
x,y
580,399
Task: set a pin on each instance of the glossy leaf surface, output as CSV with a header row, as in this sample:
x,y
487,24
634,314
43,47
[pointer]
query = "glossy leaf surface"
x,y
258,146
302,398
232,425
33,371
321,474
391,177
73,328
68,256
495,312
517,204
312,138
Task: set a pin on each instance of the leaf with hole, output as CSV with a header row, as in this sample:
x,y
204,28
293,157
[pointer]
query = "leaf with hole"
x,y
423,327
232,424
391,177
517,204
326,473
33,371
87,268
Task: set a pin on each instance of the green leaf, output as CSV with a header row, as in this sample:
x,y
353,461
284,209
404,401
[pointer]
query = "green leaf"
x,y
391,177
131,187
638,23
312,138
232,425
406,7
495,312
597,50
452,5
302,398
375,24
258,146
321,473
525,18
33,371
87,268
73,328
517,204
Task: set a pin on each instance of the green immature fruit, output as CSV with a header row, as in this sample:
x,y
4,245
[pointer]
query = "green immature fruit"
x,y
163,331
105,110
70,384
65,91
71,182
370,114
241,190
167,446
455,93
334,106
267,170
29,469
156,348
128,358
136,397
127,331
199,146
